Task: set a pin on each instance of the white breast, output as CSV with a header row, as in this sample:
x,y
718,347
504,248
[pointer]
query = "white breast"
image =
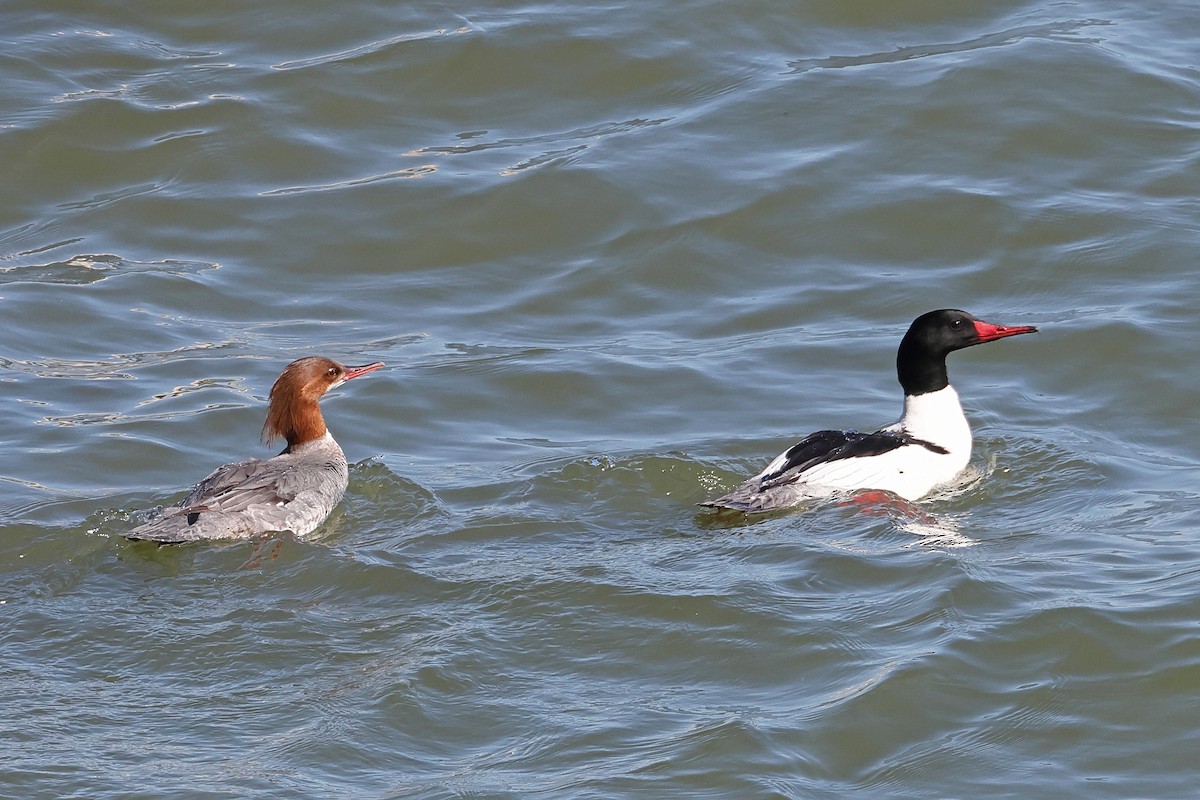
x,y
911,471
937,417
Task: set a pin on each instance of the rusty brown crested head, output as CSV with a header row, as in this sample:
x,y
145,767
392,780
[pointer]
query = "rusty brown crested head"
x,y
293,410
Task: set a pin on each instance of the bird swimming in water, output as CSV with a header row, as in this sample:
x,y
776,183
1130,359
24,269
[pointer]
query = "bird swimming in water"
x,y
293,491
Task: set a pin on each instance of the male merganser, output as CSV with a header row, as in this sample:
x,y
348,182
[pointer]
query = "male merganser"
x,y
928,446
294,491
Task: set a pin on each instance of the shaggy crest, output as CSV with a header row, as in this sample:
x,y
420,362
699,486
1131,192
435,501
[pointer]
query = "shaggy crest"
x,y
293,412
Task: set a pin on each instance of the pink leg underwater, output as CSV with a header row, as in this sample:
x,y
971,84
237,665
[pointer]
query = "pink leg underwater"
x,y
880,503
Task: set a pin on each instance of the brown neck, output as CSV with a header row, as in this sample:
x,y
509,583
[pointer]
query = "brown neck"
x,y
297,419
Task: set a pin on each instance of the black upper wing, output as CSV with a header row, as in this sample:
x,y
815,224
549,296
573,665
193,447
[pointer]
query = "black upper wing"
x,y
825,446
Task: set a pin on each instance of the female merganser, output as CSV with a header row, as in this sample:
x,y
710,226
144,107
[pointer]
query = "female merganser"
x,y
928,446
294,491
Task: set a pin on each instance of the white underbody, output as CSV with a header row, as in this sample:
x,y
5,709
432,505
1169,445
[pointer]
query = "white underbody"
x,y
911,471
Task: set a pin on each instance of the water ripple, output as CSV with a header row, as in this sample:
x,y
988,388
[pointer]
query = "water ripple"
x,y
369,49
83,270
1061,31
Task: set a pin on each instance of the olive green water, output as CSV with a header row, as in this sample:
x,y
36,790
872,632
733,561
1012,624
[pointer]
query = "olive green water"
x,y
616,257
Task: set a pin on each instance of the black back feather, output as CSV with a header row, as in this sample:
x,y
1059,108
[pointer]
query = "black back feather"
x,y
823,447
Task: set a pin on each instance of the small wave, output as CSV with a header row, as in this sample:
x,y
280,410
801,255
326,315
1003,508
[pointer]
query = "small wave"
x,y
400,174
1061,31
588,132
118,367
543,155
371,48
83,270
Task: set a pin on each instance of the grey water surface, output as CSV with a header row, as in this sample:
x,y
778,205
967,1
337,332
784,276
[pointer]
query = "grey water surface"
x,y
616,256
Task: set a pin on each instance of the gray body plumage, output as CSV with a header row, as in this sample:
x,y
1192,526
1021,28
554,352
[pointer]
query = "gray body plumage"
x,y
294,491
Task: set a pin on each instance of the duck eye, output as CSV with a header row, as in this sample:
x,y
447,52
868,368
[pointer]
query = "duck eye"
x,y
331,371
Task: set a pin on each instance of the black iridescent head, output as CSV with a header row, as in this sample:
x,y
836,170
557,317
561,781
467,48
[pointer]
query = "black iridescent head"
x,y
921,359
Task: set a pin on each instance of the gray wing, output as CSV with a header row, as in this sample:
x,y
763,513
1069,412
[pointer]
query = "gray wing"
x,y
237,486
211,509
